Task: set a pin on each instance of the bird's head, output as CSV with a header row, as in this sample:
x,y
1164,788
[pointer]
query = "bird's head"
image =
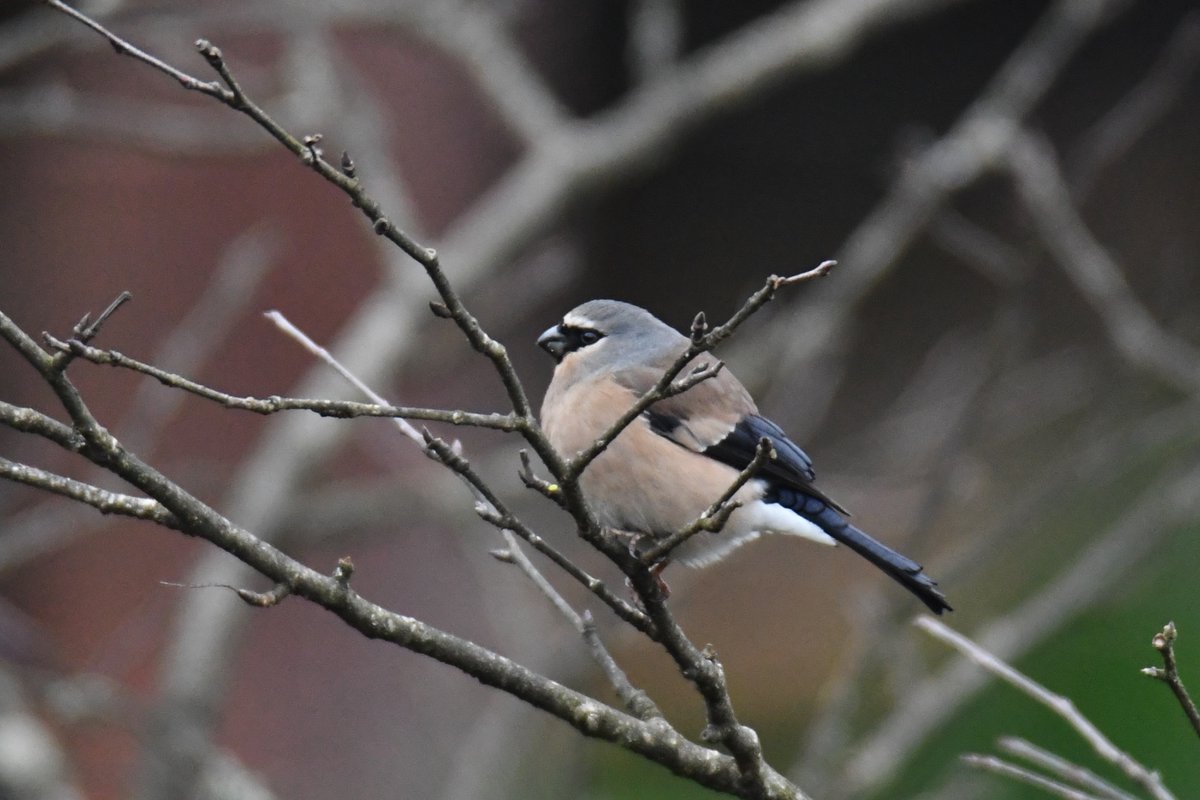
x,y
608,335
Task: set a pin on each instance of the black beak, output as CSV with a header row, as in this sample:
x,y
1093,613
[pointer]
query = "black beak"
x,y
553,342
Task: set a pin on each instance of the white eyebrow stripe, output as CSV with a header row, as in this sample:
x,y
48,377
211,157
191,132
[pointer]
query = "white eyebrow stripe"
x,y
573,321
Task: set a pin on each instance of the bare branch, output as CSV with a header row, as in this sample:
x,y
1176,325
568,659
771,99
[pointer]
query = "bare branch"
x,y
704,671
474,35
656,37
1164,643
102,500
1095,273
649,738
635,700
27,420
927,704
1119,129
1065,769
124,48
340,409
1060,705
716,515
971,148
285,325
817,34
1001,767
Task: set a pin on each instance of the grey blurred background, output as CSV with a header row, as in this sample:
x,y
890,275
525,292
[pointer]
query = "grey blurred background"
x,y
1000,378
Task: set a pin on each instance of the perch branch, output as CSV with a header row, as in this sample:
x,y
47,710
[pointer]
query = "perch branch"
x,y
590,717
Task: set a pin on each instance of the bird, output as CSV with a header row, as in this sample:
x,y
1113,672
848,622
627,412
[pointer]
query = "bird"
x,y
685,451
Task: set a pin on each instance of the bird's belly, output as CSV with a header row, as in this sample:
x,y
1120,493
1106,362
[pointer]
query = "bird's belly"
x,y
657,488
653,495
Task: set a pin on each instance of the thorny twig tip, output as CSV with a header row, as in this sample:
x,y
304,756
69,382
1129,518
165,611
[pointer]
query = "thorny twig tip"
x,y
87,330
819,271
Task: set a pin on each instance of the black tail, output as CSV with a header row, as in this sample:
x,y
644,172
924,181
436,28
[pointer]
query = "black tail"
x,y
902,569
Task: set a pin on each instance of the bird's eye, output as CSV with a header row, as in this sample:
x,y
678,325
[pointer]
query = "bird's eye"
x,y
589,337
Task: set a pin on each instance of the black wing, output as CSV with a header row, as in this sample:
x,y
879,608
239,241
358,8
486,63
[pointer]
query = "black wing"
x,y
791,466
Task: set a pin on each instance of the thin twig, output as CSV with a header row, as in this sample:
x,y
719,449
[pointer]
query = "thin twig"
x,y
211,88
635,700
1164,643
495,511
714,518
104,501
927,704
1065,769
268,599
1062,706
306,341
1001,767
28,420
339,409
86,330
450,455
